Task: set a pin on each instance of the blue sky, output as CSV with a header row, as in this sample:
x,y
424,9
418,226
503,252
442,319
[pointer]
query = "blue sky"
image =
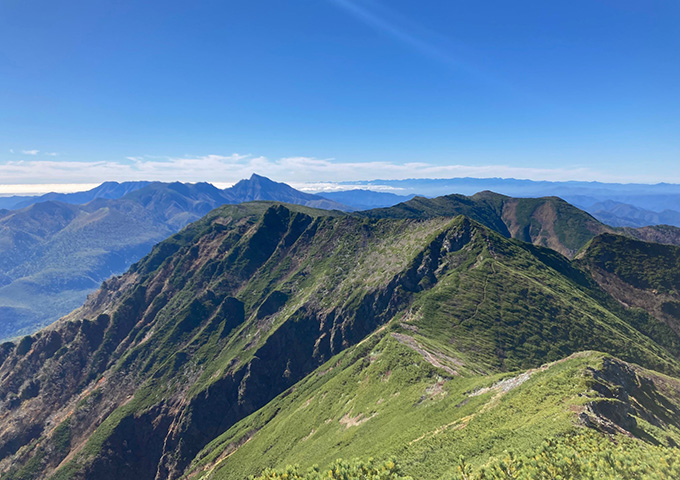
x,y
329,90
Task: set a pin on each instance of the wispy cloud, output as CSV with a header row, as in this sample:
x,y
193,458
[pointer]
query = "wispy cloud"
x,y
383,20
402,29
41,188
305,172
34,152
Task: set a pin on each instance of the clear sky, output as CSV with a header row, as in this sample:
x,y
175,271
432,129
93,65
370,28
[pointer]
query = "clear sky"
x,y
328,90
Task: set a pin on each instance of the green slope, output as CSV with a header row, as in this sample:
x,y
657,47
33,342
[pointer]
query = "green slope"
x,y
643,265
384,400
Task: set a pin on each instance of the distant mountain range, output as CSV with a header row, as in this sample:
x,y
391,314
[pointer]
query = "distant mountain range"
x,y
107,190
359,199
54,252
619,214
619,205
656,197
256,187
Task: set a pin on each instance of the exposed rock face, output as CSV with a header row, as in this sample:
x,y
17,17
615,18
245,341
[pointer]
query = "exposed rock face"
x,y
625,392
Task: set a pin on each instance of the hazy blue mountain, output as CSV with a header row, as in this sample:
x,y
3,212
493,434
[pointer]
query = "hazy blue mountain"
x,y
619,214
360,199
52,253
261,188
109,190
585,195
7,203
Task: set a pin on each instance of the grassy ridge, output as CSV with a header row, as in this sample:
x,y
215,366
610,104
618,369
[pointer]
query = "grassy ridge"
x,y
382,400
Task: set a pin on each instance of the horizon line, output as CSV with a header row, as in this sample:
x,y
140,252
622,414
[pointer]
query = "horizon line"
x,y
37,189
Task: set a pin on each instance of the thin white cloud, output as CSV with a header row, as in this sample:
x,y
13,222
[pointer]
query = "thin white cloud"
x,y
52,154
314,187
305,172
39,189
30,152
402,29
381,19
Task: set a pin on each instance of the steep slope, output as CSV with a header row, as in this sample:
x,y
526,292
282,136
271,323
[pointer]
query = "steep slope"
x,y
638,274
258,187
384,400
238,307
547,221
54,254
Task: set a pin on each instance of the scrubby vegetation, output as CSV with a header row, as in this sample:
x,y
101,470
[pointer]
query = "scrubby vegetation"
x,y
583,456
340,470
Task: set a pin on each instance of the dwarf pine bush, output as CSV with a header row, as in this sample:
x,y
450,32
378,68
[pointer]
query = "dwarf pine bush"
x,y
340,470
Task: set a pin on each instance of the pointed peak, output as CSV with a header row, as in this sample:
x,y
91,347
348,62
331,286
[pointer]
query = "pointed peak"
x,y
259,178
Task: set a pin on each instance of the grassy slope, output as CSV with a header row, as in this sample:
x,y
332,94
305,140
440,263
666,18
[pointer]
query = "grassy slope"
x,y
647,266
318,272
497,309
484,288
402,407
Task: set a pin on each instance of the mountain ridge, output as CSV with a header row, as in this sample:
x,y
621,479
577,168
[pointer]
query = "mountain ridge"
x,y
254,298
547,221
